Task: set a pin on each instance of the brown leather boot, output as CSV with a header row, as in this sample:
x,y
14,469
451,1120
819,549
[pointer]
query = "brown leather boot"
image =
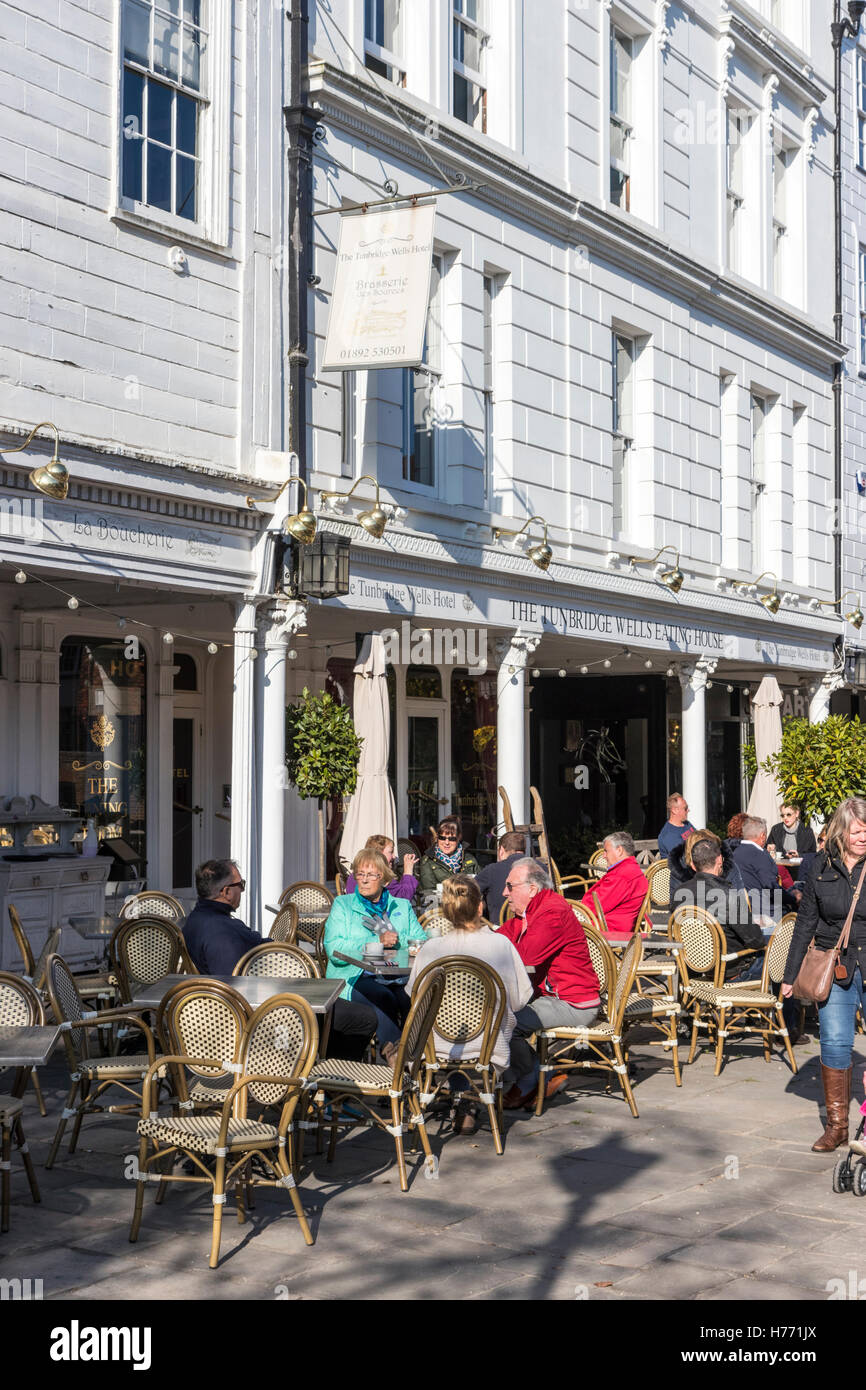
x,y
837,1098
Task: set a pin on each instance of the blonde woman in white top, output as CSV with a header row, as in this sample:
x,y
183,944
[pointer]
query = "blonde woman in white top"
x,y
463,906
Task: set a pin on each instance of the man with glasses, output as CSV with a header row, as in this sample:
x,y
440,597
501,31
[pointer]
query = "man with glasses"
x,y
216,940
550,940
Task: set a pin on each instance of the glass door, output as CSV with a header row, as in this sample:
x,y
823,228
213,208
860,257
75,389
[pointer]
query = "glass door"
x,y
186,815
427,802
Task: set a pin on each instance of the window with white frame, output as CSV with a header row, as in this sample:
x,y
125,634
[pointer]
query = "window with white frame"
x,y
759,410
348,397
623,352
782,160
737,122
164,98
382,39
468,40
621,56
490,288
862,259
861,110
420,387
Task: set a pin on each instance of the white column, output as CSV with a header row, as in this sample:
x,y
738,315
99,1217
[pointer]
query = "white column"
x,y
244,836
693,679
511,770
819,696
281,622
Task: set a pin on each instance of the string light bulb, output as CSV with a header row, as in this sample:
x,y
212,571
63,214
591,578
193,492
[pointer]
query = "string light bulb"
x,y
563,673
72,602
606,663
168,638
584,670
121,623
292,655
648,664
212,648
253,653
20,577
535,673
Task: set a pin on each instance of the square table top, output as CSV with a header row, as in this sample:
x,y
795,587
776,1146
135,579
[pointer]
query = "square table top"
x,y
92,927
651,942
27,1047
321,995
395,963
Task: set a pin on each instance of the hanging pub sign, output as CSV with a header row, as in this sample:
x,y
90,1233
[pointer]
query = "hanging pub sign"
x,y
378,310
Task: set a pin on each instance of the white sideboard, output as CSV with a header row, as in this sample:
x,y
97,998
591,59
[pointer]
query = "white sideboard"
x,y
46,893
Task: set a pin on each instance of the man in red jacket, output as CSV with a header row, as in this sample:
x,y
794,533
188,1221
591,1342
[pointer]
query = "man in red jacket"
x,y
620,890
547,937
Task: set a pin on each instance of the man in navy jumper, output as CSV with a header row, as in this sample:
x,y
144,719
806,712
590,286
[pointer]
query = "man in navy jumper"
x,y
216,940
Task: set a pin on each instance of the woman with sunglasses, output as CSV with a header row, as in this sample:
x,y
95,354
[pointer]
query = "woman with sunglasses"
x,y
446,857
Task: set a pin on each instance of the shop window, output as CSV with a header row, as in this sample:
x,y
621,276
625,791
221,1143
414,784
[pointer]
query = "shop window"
x,y
423,683
186,672
103,737
473,757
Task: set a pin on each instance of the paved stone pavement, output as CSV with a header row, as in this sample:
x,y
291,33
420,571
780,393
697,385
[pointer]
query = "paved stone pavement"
x,y
711,1194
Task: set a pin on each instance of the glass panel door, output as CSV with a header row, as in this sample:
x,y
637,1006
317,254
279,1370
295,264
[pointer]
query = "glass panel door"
x,y
185,814
425,775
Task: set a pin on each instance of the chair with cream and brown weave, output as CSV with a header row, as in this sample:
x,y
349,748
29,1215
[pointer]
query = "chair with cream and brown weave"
x,y
597,863
34,974
285,925
309,897
277,960
365,1084
20,1007
724,1009
143,950
436,919
277,1051
90,1077
152,903
200,1017
658,876
470,1014
603,1039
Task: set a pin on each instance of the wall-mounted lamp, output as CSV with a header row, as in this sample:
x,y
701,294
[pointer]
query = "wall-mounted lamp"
x,y
771,601
302,525
374,520
856,616
672,578
541,553
51,478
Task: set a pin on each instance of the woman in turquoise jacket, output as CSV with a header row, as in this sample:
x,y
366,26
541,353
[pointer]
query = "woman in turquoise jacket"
x,y
356,919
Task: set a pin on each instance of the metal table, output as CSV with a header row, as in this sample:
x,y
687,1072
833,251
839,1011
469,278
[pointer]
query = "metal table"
x,y
392,966
27,1047
94,928
321,995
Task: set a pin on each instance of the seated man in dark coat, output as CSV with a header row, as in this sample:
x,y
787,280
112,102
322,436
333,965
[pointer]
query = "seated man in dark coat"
x,y
730,907
760,874
216,940
491,881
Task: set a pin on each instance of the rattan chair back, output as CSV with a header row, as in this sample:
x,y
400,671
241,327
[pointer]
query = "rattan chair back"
x,y
702,941
52,941
658,876
405,847
473,1002
598,862
145,949
603,961
67,1006
598,911
280,1041
277,960
776,955
584,916
22,942
426,1000
307,896
628,968
20,1007
285,925
435,918
202,1018
152,903
340,884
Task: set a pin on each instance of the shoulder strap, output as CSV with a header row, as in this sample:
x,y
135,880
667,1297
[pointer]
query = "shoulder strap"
x,y
842,943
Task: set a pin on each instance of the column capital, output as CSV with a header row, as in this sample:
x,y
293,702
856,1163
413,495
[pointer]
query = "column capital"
x,y
280,621
695,674
829,683
516,650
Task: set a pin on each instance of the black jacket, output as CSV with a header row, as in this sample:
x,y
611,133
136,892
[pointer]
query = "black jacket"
x,y
805,838
824,906
681,873
491,882
215,939
730,907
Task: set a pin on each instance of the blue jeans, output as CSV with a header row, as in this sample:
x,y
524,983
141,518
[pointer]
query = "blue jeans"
x,y
837,1017
390,1001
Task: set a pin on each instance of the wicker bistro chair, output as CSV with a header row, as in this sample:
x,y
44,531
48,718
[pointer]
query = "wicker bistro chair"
x,y
435,918
34,974
152,903
278,960
285,925
202,1018
144,949
473,1004
20,1007
309,897
597,863
278,1048
607,1033
91,1077
724,1010
585,918
658,877
366,1083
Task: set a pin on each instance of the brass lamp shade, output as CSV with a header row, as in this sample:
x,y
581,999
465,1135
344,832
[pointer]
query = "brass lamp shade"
x,y
374,521
673,579
52,479
302,525
540,555
856,617
771,602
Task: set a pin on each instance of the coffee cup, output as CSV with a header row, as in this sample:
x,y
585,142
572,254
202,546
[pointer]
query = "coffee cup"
x,y
374,948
